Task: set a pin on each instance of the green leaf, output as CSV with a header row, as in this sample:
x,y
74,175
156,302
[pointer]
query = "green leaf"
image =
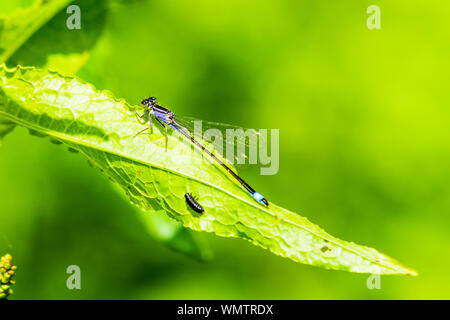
x,y
53,46
38,36
102,128
17,28
174,235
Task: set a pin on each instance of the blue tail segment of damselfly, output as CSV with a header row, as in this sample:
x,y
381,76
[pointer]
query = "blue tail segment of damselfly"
x,y
167,119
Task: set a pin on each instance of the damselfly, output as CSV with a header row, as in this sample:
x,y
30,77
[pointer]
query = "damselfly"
x,y
168,119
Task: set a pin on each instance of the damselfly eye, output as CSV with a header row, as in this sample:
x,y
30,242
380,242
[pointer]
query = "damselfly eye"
x,y
144,102
153,99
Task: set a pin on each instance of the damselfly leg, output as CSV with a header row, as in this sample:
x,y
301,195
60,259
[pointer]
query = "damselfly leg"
x,y
165,131
140,117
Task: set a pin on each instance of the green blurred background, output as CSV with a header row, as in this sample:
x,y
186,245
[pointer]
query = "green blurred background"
x,y
364,149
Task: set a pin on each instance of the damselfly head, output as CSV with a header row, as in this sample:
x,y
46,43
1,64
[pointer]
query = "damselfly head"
x,y
148,101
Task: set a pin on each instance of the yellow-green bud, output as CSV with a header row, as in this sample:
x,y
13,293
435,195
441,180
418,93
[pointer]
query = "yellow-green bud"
x,y
7,270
